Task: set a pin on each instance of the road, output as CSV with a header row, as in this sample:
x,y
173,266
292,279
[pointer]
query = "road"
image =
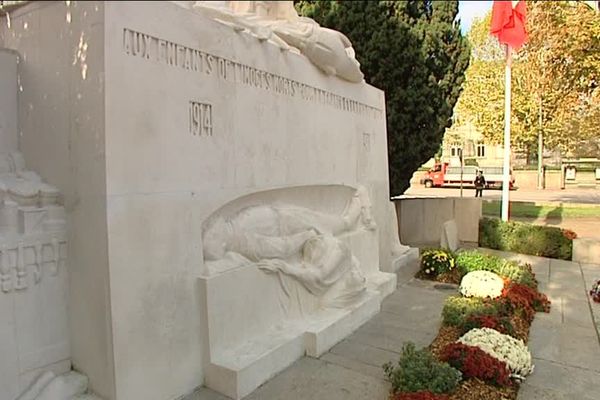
x,y
587,196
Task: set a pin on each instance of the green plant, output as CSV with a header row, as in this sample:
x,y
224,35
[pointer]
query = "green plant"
x,y
520,237
500,323
418,370
457,309
437,261
469,261
473,260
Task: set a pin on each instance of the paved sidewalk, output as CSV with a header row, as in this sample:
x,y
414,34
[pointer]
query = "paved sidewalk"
x,y
564,343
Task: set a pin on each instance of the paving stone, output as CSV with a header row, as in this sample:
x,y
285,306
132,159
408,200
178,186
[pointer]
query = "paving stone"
x,y
566,344
354,365
364,353
562,265
527,392
576,312
206,394
388,332
419,308
310,379
556,379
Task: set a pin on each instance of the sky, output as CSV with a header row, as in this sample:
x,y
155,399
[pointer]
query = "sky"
x,y
469,10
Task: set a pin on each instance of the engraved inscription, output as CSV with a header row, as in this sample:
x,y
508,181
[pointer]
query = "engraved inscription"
x,y
162,51
200,119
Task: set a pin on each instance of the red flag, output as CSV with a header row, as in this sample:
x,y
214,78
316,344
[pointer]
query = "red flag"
x,y
508,23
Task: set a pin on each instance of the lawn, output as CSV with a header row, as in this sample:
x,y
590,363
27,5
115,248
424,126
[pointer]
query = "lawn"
x,y
491,208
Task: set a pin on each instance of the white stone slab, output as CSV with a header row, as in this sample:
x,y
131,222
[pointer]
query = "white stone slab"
x,y
334,325
449,236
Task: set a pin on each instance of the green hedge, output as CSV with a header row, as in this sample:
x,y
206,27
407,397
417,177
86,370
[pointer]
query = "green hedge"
x,y
520,237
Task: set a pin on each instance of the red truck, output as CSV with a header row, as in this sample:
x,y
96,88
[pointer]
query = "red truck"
x,y
443,175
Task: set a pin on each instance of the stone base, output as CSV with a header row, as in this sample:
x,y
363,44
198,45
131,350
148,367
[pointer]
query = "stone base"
x,y
238,372
383,283
411,255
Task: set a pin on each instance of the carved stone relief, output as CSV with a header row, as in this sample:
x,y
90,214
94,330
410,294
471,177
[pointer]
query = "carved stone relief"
x,y
295,241
32,226
279,23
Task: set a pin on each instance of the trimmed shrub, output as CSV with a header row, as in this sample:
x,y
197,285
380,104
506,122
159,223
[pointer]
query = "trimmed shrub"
x,y
469,261
437,261
418,371
476,363
524,238
458,309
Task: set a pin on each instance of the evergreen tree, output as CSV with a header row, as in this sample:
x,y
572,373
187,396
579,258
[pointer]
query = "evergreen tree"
x,y
413,51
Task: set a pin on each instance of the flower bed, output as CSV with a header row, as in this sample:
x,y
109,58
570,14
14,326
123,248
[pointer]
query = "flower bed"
x,y
484,330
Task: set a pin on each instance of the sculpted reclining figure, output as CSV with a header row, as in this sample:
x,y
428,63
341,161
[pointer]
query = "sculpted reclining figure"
x,y
295,241
279,22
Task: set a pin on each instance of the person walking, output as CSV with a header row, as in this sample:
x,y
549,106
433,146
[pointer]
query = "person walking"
x,y
479,184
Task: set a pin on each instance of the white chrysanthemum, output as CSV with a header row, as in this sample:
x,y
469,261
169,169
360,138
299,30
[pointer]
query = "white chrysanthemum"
x,y
503,347
481,284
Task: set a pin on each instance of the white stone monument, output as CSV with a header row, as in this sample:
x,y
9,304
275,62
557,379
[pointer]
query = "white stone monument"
x,y
34,332
224,181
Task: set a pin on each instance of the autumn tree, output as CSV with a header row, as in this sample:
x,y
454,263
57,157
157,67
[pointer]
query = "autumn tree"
x,y
415,52
554,79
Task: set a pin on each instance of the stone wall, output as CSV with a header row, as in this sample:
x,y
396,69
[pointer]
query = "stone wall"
x,y
420,220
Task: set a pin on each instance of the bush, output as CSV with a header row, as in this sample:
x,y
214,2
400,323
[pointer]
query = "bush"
x,y
476,363
457,309
469,261
500,323
437,261
419,371
525,300
520,237
420,396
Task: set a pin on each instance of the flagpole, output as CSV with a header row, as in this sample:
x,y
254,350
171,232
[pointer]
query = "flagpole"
x,y
506,171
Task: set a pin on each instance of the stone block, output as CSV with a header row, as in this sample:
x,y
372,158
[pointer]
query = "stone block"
x,y
435,213
449,237
410,214
467,213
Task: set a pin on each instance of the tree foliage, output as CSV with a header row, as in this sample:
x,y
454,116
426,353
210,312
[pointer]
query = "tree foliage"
x,y
414,51
554,78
